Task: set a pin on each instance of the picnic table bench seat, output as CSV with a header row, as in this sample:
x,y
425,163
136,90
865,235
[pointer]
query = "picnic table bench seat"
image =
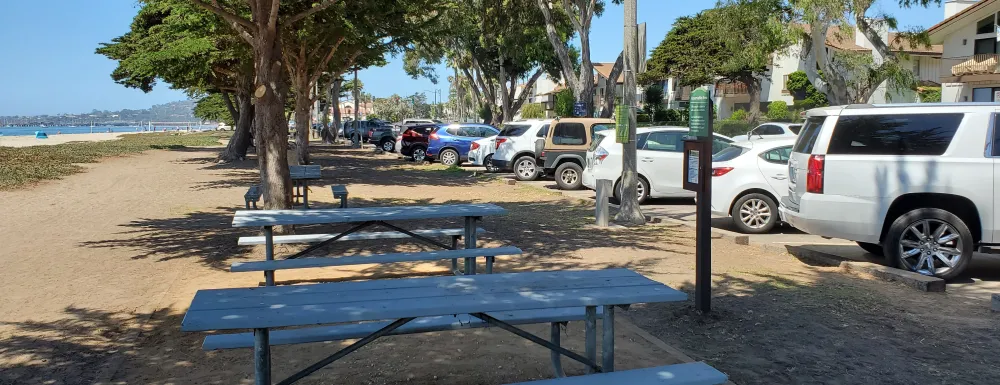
x,y
694,373
305,263
317,238
419,325
252,196
340,192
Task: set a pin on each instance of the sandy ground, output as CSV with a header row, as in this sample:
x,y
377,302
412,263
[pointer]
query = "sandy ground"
x,y
29,140
91,257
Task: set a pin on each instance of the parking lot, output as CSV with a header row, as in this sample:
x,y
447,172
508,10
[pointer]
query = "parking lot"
x,y
981,279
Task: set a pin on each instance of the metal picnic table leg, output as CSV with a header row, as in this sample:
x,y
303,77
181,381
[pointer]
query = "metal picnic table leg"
x,y
454,261
268,254
608,345
556,357
305,194
261,357
590,324
470,243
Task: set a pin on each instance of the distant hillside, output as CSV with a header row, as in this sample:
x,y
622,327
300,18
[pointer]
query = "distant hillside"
x,y
180,111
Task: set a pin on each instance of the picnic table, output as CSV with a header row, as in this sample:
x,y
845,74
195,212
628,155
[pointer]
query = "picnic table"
x,y
403,300
301,175
365,217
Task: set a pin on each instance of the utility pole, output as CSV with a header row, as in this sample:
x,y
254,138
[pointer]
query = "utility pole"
x,y
630,212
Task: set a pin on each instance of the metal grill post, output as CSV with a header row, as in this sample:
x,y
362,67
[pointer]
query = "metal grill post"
x,y
608,344
590,324
269,254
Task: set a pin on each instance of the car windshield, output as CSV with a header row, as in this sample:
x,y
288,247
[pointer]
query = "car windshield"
x,y
729,153
514,129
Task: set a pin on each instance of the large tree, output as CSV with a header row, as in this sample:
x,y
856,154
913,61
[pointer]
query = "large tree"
x,y
261,30
190,49
499,56
853,77
579,78
691,53
752,32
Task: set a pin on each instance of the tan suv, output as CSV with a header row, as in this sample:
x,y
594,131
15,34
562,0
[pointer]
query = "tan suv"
x,y
564,152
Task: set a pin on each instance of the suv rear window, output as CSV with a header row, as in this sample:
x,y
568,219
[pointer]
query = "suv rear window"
x,y
571,134
729,153
514,129
598,138
808,135
909,134
795,128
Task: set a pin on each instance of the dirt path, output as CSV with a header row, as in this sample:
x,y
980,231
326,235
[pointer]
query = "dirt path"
x,y
134,238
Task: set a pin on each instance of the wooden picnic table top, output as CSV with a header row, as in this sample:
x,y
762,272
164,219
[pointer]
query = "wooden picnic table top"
x,y
255,218
309,171
303,305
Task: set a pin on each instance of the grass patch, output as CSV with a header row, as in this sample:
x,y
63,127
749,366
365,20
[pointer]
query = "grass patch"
x,y
21,166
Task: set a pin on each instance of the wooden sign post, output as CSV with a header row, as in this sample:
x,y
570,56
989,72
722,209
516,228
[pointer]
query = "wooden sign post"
x,y
698,178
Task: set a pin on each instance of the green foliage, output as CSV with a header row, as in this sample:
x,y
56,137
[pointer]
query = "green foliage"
x,y
22,166
777,111
642,118
929,94
691,52
806,95
732,128
213,108
486,114
533,111
653,98
564,103
394,108
739,115
663,115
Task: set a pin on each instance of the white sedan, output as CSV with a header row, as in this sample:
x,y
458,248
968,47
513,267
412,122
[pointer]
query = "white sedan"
x,y
771,131
481,153
660,160
748,181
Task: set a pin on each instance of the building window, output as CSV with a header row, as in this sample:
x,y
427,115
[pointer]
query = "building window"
x,y
916,66
985,95
986,25
784,86
985,46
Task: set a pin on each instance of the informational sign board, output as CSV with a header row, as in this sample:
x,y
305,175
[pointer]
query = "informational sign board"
x,y
692,166
621,124
700,112
579,109
693,174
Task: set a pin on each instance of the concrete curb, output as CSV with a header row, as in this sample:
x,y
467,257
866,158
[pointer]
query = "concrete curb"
x,y
917,281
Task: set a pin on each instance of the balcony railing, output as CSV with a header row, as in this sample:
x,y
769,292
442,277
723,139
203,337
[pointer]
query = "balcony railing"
x,y
726,89
980,64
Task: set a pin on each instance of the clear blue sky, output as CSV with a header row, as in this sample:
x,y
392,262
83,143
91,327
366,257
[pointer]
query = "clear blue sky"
x,y
49,65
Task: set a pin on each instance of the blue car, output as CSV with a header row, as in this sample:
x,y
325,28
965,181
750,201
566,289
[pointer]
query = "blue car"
x,y
450,144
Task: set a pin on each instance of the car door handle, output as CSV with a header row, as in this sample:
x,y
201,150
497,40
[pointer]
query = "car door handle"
x,y
647,159
780,177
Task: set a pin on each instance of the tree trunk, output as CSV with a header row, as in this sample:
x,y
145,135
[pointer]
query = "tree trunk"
x,y
241,139
303,123
229,106
335,103
753,89
269,114
629,211
609,97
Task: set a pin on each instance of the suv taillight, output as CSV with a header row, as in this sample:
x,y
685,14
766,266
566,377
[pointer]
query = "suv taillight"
x,y
475,146
434,136
500,141
814,179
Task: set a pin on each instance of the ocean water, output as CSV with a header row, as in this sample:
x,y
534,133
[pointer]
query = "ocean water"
x,y
29,131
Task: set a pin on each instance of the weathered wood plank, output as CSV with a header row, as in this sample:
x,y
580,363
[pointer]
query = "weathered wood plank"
x,y
316,238
322,312
313,171
694,373
419,325
256,218
305,263
527,280
441,293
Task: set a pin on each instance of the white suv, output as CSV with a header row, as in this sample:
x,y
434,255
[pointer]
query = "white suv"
x,y
912,182
517,147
